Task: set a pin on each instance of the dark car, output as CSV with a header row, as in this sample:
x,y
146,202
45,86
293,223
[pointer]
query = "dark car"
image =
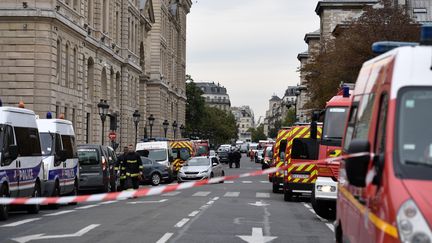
x,y
223,155
96,168
155,173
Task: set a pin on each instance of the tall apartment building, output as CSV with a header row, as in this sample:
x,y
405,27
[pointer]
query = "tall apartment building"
x,y
245,120
215,95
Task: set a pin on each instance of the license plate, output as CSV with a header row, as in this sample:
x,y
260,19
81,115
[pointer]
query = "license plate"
x,y
300,176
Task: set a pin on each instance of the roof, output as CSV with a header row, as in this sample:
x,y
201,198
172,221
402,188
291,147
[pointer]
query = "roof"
x,y
302,55
312,35
275,98
290,91
211,88
342,3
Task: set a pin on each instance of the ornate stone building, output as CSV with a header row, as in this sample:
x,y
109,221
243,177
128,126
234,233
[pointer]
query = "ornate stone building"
x,y
215,95
166,88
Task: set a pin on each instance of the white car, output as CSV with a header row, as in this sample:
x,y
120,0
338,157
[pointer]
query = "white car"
x,y
259,156
200,168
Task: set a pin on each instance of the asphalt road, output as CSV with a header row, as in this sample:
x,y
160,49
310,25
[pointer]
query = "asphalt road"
x,y
244,210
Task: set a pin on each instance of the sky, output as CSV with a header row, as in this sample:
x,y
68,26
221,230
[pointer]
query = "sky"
x,y
249,46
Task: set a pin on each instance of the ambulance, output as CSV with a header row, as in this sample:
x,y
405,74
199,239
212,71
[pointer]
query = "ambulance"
x,y
385,188
181,151
60,157
21,157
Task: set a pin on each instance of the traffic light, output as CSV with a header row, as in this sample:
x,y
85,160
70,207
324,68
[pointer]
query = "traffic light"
x,y
113,122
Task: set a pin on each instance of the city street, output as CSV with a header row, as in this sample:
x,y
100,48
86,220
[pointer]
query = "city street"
x,y
244,210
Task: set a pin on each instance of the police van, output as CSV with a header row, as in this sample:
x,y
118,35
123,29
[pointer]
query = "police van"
x,y
159,151
60,158
21,157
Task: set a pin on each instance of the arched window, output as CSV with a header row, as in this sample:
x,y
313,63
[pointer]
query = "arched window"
x,y
118,91
59,60
90,79
75,68
67,70
112,85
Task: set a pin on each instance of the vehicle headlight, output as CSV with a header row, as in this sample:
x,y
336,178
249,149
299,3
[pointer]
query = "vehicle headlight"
x,y
204,172
326,188
411,224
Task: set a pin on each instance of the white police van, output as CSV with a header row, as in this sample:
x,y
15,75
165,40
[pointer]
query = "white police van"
x,y
60,157
21,157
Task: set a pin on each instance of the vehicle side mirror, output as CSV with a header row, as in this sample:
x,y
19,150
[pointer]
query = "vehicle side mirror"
x,y
62,155
357,167
12,153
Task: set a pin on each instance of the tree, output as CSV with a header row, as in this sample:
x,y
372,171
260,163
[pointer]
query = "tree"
x,y
195,107
290,118
218,125
275,129
341,58
257,133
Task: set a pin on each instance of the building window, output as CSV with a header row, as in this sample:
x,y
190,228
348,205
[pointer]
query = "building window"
x,y
90,79
90,8
75,68
67,70
118,32
59,60
105,7
104,84
118,91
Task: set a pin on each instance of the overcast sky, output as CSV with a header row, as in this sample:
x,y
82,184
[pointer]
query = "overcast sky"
x,y
249,46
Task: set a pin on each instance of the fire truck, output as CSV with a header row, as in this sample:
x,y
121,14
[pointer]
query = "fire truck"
x,y
324,193
278,150
202,147
181,151
301,152
385,184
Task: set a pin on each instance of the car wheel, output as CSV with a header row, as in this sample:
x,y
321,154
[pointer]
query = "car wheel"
x,y
56,193
34,209
288,194
322,209
4,208
74,192
155,179
275,187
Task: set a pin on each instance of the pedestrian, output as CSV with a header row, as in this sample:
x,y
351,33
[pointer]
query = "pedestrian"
x,y
134,167
231,158
120,169
237,157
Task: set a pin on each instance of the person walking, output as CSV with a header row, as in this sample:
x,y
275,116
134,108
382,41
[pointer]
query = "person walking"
x,y
120,169
134,167
237,157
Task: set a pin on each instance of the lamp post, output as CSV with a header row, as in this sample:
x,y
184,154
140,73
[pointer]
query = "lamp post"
x,y
182,128
103,111
174,125
136,119
165,125
151,120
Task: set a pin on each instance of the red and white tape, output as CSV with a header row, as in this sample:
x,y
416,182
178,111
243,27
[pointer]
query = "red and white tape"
x,y
144,192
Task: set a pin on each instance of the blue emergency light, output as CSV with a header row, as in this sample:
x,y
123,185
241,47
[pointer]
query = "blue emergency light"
x,y
426,35
345,91
381,47
49,115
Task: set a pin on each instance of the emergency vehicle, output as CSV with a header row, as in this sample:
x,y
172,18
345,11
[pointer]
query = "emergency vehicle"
x,y
201,147
324,193
182,150
301,152
60,157
21,157
279,149
385,195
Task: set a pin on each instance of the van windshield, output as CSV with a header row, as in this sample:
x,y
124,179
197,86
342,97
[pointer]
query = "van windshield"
x,y
334,123
155,154
414,132
47,143
88,156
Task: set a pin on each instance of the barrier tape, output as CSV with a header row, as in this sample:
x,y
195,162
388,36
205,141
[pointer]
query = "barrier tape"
x,y
144,192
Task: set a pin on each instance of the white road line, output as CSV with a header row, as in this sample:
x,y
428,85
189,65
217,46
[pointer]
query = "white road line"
x,y
246,182
311,210
229,182
204,206
182,222
194,213
165,238
306,205
265,182
210,203
330,226
263,195
232,194
88,206
25,221
215,198
60,213
108,202
170,194
201,194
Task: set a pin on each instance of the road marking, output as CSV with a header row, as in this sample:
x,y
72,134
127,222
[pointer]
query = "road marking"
x,y
306,205
232,194
194,213
263,195
311,210
210,203
204,206
229,182
215,198
145,202
257,236
25,221
331,226
170,194
88,206
82,232
165,238
265,182
246,182
182,222
108,202
201,194
259,204
60,213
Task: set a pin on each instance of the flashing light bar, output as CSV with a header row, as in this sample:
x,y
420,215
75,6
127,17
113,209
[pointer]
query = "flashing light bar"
x,y
385,46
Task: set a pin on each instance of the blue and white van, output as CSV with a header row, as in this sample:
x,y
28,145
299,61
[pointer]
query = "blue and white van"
x,y
60,157
21,157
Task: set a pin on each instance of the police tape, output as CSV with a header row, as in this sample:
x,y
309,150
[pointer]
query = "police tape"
x,y
153,191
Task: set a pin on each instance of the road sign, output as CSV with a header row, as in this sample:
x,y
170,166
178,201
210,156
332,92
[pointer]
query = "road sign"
x,y
112,136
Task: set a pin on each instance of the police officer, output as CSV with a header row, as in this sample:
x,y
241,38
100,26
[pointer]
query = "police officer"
x,y
120,168
134,167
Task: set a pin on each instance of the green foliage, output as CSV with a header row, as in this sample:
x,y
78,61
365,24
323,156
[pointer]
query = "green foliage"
x,y
273,131
290,118
340,59
257,133
195,107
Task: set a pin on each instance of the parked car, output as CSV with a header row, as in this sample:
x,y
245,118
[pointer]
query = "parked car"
x,y
200,168
96,168
259,156
155,173
223,155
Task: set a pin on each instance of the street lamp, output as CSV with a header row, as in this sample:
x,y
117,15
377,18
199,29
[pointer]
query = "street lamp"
x,y
136,119
103,111
182,128
151,122
174,125
165,125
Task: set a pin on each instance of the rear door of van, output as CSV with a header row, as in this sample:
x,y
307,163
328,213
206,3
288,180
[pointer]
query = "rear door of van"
x,y
90,161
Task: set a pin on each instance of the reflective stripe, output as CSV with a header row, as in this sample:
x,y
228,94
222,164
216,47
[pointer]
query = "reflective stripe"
x,y
378,222
133,174
116,168
131,161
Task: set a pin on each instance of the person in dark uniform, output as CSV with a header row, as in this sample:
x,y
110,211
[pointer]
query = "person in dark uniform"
x,y
237,157
231,157
120,168
134,167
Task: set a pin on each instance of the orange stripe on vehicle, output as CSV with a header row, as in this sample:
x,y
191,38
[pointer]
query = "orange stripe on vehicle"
x,y
377,221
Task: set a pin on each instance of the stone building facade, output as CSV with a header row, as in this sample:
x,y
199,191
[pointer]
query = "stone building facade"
x,y
166,87
215,95
245,120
